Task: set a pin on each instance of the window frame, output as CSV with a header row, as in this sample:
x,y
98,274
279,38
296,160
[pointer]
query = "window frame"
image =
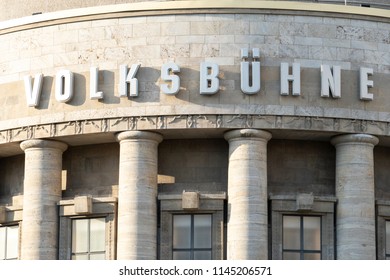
x,y
192,250
209,203
387,242
6,226
383,216
102,207
12,215
321,206
302,251
88,253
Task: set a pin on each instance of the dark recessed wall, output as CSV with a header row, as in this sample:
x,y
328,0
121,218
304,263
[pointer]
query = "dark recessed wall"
x,y
301,167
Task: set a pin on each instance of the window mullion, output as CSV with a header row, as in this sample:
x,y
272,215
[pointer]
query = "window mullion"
x,y
89,239
302,239
5,243
192,237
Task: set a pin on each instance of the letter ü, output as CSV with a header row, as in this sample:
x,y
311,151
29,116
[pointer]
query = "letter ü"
x,y
246,86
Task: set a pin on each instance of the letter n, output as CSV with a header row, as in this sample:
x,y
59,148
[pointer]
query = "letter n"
x,y
330,82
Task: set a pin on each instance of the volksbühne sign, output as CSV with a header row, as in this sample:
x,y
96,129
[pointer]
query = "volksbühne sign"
x,y
250,70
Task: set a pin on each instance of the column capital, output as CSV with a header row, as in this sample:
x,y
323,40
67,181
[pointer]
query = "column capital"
x,y
42,143
355,138
137,134
248,133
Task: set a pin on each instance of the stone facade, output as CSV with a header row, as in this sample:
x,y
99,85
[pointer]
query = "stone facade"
x,y
246,160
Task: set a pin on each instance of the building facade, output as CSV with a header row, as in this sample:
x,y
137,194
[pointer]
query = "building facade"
x,y
195,130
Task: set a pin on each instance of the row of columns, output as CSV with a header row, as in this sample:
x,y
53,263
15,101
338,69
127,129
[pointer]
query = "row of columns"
x,y
247,232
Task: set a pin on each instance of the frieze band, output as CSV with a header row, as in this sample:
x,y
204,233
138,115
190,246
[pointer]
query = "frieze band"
x,y
228,121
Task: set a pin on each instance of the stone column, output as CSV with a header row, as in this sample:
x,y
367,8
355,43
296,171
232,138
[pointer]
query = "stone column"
x,y
355,218
137,205
42,192
247,232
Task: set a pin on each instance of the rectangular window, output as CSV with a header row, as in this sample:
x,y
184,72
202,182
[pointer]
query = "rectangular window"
x,y
9,242
88,239
192,237
301,237
387,240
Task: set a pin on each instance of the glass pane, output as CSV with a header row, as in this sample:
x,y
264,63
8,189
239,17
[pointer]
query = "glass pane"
x,y
97,235
12,242
2,243
312,256
80,257
312,233
182,231
202,255
179,255
387,237
290,256
80,236
97,256
202,231
291,235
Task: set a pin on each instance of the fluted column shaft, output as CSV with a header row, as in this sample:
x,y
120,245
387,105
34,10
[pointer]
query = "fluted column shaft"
x,y
355,218
42,192
137,206
247,233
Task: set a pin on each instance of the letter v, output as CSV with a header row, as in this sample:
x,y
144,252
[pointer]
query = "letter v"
x,y
33,93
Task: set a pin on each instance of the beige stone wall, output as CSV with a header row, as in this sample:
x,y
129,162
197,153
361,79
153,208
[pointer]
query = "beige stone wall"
x,y
191,126
188,40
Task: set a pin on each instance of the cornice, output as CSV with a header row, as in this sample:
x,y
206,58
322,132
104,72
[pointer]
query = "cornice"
x,y
185,7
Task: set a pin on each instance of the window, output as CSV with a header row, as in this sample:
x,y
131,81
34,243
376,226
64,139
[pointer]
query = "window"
x,y
88,239
387,240
302,227
383,229
192,226
192,237
301,237
9,240
87,228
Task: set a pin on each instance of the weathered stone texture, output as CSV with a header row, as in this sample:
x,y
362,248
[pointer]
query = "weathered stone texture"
x,y
42,192
11,178
301,167
355,192
91,170
137,195
381,170
195,165
247,232
188,40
